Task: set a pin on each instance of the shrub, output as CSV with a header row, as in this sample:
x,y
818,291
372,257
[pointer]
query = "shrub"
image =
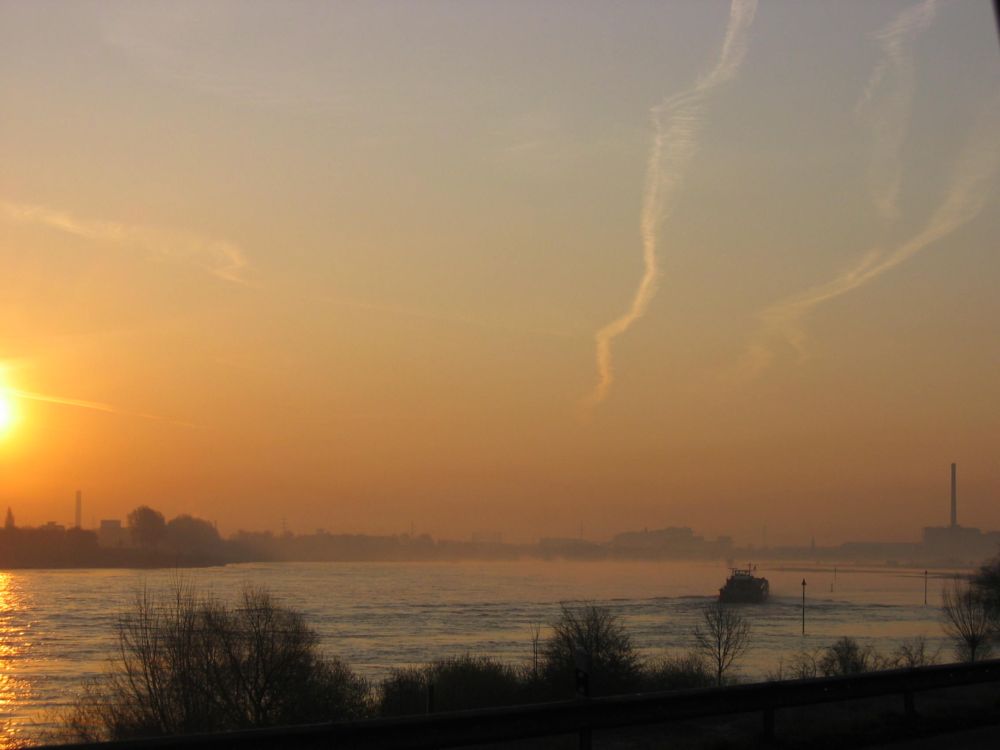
x,y
677,673
459,683
194,664
846,657
803,665
474,682
597,636
915,652
403,693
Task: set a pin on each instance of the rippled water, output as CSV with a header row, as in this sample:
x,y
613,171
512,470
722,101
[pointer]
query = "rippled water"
x,y
57,627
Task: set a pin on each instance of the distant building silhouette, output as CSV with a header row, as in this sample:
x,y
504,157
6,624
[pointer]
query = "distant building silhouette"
x,y
673,541
570,547
112,535
958,543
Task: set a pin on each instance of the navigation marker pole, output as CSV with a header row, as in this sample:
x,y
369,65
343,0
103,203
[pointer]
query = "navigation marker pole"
x,y
925,588
803,606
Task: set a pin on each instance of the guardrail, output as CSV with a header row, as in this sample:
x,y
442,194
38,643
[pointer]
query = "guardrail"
x,y
497,725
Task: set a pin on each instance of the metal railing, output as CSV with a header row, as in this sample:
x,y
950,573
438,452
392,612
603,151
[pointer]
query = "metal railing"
x,y
497,725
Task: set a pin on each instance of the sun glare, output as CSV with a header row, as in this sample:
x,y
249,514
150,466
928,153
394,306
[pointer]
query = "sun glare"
x,y
6,413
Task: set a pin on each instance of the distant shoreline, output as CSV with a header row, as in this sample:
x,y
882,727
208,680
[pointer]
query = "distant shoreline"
x,y
167,562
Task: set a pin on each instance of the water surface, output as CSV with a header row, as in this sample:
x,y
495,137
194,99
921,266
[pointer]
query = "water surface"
x,y
58,627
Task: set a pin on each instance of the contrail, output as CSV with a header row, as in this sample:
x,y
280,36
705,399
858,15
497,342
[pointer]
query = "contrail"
x,y
676,122
886,102
219,257
93,406
963,200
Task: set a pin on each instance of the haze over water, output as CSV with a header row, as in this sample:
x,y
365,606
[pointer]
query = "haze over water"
x,y
57,627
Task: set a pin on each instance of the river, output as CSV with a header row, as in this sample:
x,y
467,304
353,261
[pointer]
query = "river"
x,y
57,627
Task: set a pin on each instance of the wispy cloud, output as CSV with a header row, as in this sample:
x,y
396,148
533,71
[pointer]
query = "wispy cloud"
x,y
93,406
965,196
218,257
676,123
887,100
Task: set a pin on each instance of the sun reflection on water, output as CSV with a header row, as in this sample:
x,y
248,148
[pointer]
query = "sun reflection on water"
x,y
14,691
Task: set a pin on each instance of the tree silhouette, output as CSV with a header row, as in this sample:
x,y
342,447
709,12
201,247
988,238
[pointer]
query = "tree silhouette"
x,y
967,619
722,637
595,636
186,664
192,535
147,526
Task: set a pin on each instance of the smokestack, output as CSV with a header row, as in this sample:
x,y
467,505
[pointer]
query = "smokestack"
x,y
954,496
79,509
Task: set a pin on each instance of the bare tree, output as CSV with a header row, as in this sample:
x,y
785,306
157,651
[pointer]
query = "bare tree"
x,y
598,636
967,619
986,581
194,664
722,637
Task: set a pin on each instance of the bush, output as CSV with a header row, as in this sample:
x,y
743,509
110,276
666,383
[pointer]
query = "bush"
x,y
403,693
847,657
599,637
677,673
460,683
194,664
915,652
803,665
475,682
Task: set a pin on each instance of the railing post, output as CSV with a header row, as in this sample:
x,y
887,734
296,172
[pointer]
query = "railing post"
x,y
768,724
583,664
583,693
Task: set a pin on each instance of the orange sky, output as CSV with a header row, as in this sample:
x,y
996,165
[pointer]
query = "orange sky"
x,y
493,267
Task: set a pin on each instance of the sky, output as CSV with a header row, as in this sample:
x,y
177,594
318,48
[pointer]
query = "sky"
x,y
542,269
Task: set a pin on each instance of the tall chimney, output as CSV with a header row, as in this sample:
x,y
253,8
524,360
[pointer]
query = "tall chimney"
x,y
79,509
954,497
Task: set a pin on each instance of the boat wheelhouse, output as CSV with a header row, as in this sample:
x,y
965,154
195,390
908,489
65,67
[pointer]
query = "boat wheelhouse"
x,y
743,586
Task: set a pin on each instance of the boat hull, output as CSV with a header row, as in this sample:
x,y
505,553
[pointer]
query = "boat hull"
x,y
742,587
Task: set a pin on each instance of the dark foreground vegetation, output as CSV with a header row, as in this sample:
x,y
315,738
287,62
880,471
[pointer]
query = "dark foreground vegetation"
x,y
194,664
